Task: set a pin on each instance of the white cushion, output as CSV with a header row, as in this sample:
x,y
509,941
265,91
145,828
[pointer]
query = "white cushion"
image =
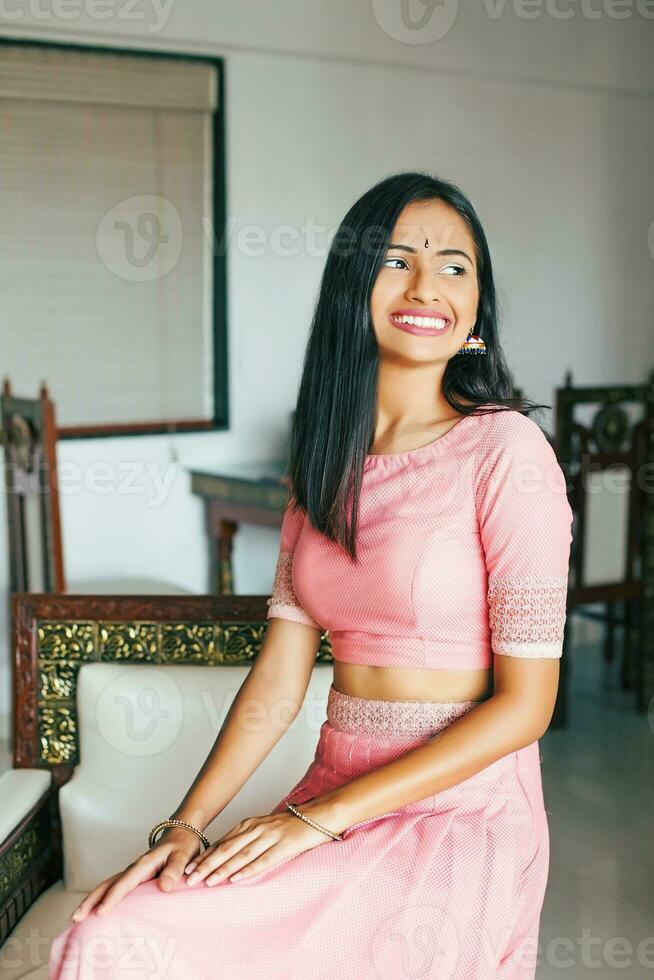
x,y
145,731
20,789
25,953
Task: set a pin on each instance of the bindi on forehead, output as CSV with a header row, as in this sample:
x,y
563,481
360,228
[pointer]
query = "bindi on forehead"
x,y
403,247
447,235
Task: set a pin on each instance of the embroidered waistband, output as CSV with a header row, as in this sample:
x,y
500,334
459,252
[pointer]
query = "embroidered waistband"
x,y
391,718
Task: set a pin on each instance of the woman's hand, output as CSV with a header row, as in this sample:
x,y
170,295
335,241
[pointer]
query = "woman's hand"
x,y
167,858
254,845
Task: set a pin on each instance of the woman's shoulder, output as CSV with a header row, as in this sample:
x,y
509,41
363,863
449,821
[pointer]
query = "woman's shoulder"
x,y
510,423
517,462
511,434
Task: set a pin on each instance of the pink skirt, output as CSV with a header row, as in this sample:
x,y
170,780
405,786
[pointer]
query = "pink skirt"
x,y
450,886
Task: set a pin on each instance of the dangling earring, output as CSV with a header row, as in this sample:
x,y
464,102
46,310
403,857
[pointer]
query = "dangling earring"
x,y
472,345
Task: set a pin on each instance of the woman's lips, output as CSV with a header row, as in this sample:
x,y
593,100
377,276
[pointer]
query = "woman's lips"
x,y
424,327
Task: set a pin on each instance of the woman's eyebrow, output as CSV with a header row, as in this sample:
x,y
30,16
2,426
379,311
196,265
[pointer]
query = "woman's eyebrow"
x,y
440,251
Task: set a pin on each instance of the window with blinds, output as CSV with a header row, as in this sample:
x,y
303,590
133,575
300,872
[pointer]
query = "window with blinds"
x,y
110,193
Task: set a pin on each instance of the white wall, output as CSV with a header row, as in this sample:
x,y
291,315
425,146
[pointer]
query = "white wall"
x,y
548,125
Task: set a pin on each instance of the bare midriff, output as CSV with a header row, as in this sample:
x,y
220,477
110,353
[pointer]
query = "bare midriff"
x,y
412,684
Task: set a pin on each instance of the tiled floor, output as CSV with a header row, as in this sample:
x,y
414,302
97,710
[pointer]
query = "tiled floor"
x,y
598,781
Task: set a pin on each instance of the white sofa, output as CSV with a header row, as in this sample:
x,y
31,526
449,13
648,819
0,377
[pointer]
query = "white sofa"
x,y
144,731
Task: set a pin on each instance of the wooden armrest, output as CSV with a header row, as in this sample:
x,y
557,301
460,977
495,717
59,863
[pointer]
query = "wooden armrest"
x,y
30,855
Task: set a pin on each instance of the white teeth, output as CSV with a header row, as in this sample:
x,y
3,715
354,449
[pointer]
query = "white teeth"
x,y
422,321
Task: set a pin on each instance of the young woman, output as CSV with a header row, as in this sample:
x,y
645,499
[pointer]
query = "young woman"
x,y
428,530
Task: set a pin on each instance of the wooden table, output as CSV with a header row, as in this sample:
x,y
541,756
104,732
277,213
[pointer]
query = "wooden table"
x,y
251,492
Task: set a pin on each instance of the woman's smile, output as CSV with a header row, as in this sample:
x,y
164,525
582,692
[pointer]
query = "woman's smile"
x,y
426,323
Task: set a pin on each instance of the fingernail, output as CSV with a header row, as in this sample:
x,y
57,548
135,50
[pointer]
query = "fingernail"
x,y
239,874
193,878
190,867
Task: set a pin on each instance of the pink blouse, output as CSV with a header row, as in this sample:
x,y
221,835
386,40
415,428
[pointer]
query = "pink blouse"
x,y
463,549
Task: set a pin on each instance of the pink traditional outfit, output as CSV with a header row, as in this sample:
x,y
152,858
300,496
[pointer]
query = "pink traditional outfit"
x,y
463,550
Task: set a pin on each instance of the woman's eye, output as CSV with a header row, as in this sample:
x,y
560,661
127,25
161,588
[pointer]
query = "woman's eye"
x,y
459,270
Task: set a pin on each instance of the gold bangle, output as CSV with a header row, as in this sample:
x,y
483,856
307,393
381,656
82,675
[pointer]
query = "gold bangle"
x,y
302,816
172,822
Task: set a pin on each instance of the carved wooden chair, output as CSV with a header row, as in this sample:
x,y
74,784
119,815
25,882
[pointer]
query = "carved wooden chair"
x,y
608,432
117,701
36,558
29,438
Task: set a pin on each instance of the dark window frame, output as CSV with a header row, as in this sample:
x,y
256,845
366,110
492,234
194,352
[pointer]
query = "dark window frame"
x,y
220,372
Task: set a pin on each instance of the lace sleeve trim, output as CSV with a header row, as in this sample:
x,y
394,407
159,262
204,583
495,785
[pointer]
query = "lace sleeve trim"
x,y
283,603
527,616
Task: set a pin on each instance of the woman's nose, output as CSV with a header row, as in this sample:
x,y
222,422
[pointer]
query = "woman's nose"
x,y
423,288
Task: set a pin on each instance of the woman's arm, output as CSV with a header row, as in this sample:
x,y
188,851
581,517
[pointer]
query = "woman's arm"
x,y
267,702
517,714
271,695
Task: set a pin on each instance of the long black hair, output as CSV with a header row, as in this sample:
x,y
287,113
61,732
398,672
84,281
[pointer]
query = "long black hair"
x,y
335,416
